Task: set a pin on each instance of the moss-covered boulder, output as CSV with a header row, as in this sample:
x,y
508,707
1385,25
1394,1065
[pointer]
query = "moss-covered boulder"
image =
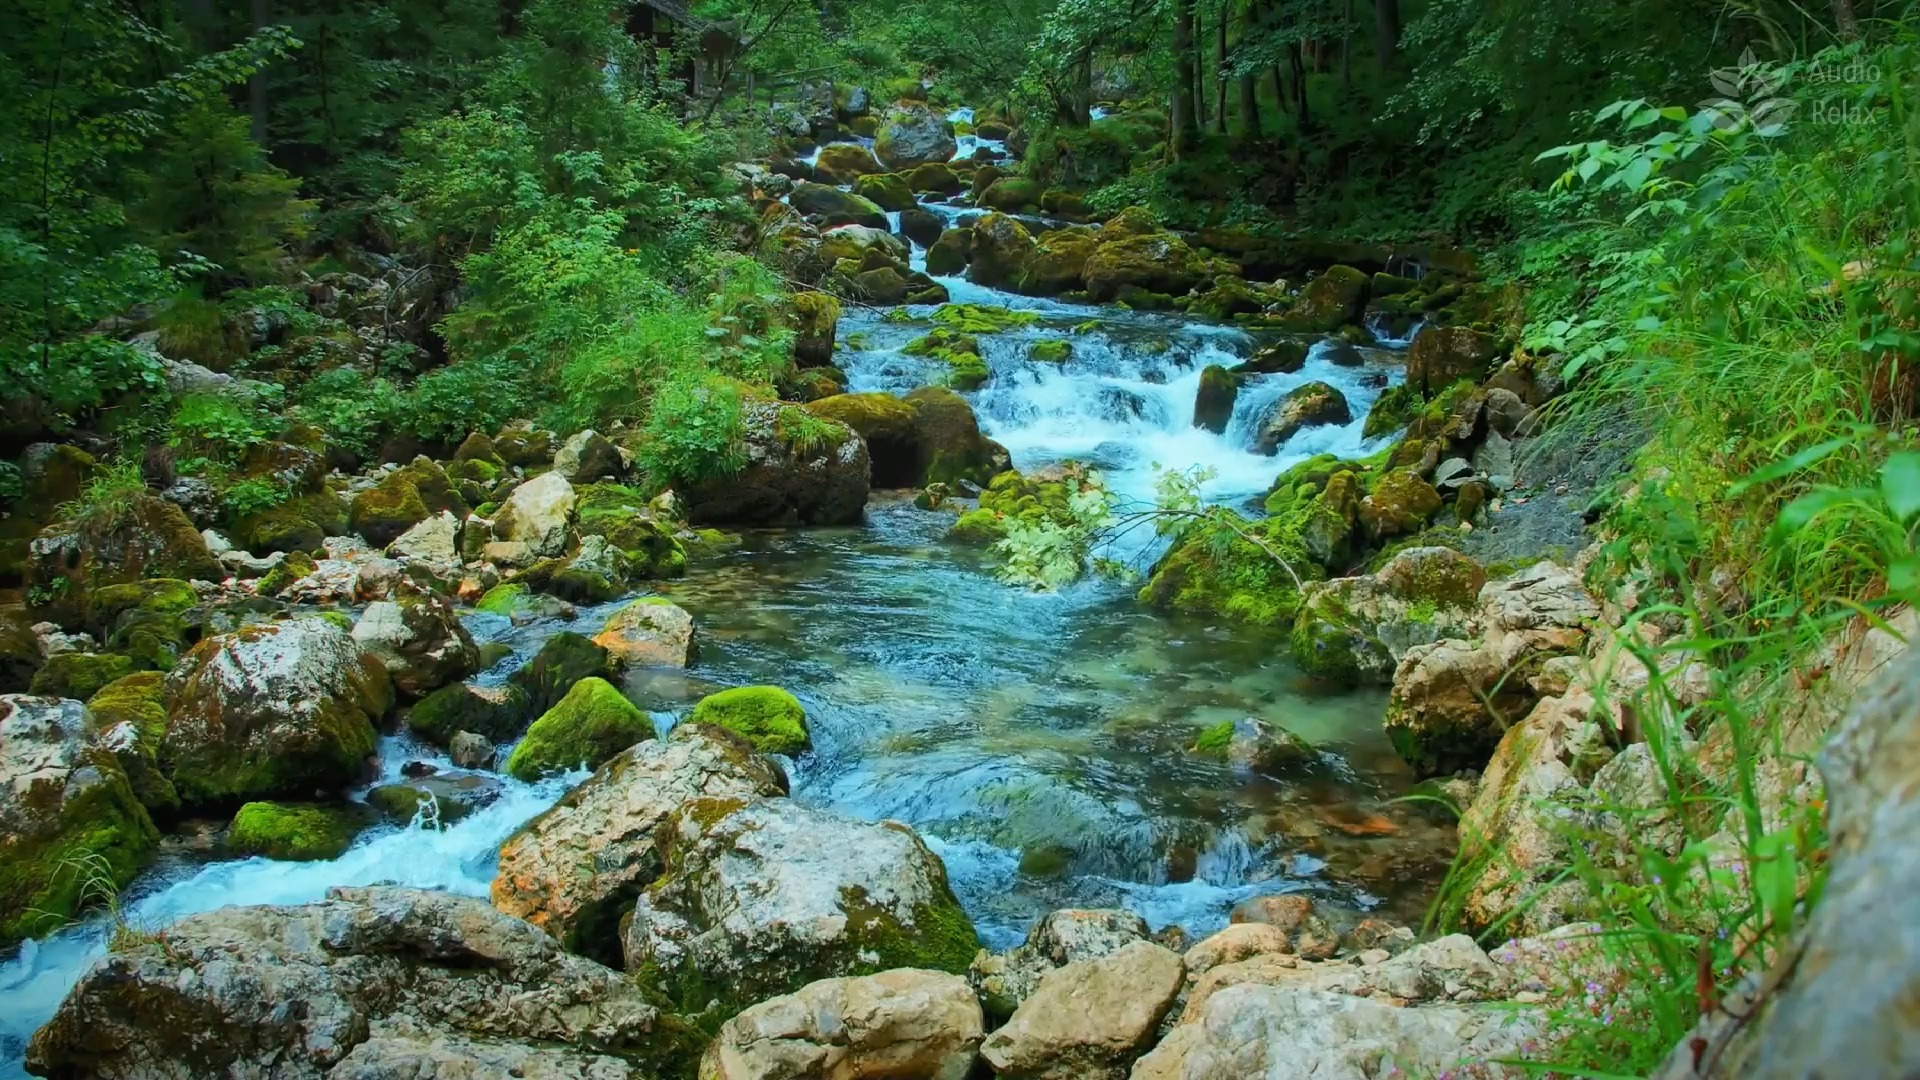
x,y
843,163
402,499
1058,263
525,446
836,207
769,718
912,134
1030,498
1334,298
419,640
591,724
953,449
1251,743
563,659
1313,404
1213,402
811,384
888,191
625,519
1001,250
479,447
71,828
19,650
815,318
762,896
1355,630
295,566
50,475
298,832
497,712
129,720
966,368
800,469
1394,409
887,425
272,710
1232,296
441,802
936,177
146,537
1278,358
1013,194
1225,565
1443,355
152,621
299,524
79,675
1155,262
950,254
1050,351
1399,504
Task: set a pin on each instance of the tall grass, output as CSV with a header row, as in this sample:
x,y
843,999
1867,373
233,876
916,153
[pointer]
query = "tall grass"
x,y
1754,307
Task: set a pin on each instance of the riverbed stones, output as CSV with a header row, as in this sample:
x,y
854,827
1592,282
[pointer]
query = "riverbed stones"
x,y
588,726
402,499
67,811
649,632
587,456
763,896
785,480
902,1025
1088,1020
435,540
216,994
420,641
272,710
1355,630
574,870
538,514
1066,936
1237,942
148,538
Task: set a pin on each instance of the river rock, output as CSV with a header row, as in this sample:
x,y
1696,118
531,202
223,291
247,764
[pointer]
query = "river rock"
x,y
887,425
587,456
470,750
1255,1032
913,134
901,1025
1313,404
1237,942
290,992
831,206
435,540
397,1049
762,896
576,869
592,724
842,163
999,251
1088,1020
149,538
1154,262
1213,403
420,641
538,514
1059,262
402,499
952,449
1356,630
649,632
273,710
1066,936
63,797
1443,355
823,482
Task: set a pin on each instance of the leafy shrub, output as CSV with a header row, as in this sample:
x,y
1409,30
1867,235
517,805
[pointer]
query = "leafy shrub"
x,y
355,409
219,426
252,495
694,430
106,496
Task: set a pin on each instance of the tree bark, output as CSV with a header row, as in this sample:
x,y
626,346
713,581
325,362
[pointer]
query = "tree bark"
x,y
1845,19
1386,31
1199,68
257,85
1186,125
1299,85
1249,83
1220,71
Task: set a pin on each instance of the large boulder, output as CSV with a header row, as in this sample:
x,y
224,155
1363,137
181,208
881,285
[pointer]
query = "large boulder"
x,y
1059,262
1089,1020
843,163
1066,936
1356,630
538,514
864,244
71,827
886,423
576,869
1443,355
149,537
815,318
1310,405
1399,504
649,632
901,1025
798,470
420,641
589,726
402,499
913,134
587,456
950,254
836,207
272,710
888,191
331,988
1213,402
1154,262
763,896
564,659
1334,298
1000,250
952,448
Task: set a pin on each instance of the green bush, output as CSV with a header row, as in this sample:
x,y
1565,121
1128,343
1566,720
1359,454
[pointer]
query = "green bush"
x,y
694,431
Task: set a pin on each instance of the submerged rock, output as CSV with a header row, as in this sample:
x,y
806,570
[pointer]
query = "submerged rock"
x,y
901,1025
763,896
292,992
577,868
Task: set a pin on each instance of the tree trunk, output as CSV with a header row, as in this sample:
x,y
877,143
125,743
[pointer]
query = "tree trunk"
x,y
1220,72
1845,19
1249,84
1186,126
1083,90
1386,31
1199,68
257,85
1299,85
1346,50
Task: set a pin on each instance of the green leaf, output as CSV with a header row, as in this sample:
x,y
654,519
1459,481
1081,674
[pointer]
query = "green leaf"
x,y
1903,577
1802,511
1785,466
1900,484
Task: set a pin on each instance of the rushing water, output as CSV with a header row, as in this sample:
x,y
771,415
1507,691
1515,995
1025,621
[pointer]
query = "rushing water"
x,y
1038,741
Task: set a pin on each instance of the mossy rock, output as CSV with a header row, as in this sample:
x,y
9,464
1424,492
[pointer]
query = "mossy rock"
x,y
299,832
139,701
1399,504
478,447
19,651
815,318
299,524
1012,194
1059,262
498,712
79,675
403,498
1213,403
401,803
529,448
474,470
146,537
564,659
950,254
952,449
811,384
835,207
624,518
842,163
158,596
1051,351
1278,358
295,566
771,719
1157,263
886,423
1215,569
1331,300
978,527
888,191
1394,409
935,177
999,251
590,725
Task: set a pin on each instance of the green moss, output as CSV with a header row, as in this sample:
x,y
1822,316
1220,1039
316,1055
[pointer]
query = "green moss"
x,y
1215,569
403,499
295,566
1012,194
166,596
299,524
1335,297
474,470
504,599
888,191
1214,739
768,717
402,802
978,527
937,936
497,712
98,841
1324,645
564,659
1051,351
1394,409
983,318
591,724
139,699
79,675
293,831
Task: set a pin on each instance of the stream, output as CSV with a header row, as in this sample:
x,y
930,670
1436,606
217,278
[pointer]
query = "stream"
x,y
1038,741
